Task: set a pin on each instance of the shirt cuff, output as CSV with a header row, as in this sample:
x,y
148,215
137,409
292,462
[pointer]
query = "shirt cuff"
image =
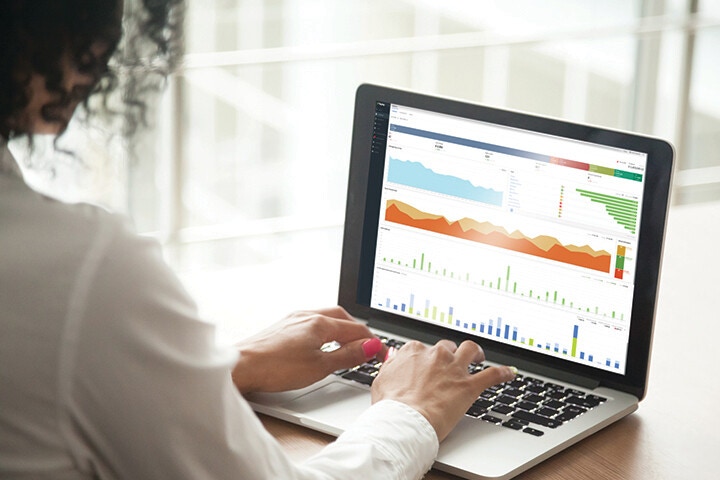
x,y
401,435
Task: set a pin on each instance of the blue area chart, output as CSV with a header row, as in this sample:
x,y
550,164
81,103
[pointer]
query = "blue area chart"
x,y
415,174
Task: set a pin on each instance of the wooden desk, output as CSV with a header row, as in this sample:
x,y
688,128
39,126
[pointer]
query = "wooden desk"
x,y
675,434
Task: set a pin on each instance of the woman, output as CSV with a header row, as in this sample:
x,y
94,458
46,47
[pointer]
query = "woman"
x,y
106,371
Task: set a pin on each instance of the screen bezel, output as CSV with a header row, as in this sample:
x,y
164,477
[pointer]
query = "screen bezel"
x,y
365,183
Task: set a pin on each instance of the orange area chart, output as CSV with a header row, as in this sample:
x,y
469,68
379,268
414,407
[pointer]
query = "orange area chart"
x,y
485,232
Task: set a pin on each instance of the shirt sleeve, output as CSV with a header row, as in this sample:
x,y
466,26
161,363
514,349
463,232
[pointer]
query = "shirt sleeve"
x,y
146,393
380,445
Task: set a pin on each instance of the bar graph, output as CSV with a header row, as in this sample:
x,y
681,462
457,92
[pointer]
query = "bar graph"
x,y
620,262
498,328
623,210
503,281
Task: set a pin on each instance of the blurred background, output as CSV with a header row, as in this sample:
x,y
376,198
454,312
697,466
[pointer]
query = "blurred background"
x,y
243,177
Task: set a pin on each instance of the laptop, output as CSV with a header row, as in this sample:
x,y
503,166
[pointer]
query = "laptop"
x,y
537,238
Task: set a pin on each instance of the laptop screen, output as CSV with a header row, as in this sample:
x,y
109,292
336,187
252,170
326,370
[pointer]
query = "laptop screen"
x,y
525,238
537,238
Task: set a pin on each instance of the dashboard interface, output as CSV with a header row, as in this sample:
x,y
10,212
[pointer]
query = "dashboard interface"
x,y
525,238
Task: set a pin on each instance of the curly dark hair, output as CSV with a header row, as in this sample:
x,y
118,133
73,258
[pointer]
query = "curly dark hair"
x,y
144,44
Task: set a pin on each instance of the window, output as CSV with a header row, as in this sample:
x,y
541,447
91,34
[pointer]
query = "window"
x,y
246,173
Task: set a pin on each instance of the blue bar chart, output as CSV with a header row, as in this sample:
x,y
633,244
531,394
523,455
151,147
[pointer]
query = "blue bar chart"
x,y
498,328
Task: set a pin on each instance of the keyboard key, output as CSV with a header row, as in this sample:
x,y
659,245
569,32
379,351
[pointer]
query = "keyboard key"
x,y
535,418
481,402
582,402
360,377
536,388
547,412
507,400
476,411
556,394
533,398
566,417
526,405
556,404
569,413
369,369
512,392
574,409
517,384
572,391
490,395
474,368
532,431
596,397
491,419
503,409
513,425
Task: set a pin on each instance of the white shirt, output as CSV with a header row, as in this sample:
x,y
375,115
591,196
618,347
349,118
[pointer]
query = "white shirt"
x,y
107,372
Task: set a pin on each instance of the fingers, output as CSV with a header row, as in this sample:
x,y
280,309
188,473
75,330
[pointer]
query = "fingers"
x,y
333,324
450,345
469,352
359,344
354,353
335,312
493,376
325,328
343,331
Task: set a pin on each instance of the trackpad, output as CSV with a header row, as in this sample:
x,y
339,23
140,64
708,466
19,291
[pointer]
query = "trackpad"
x,y
335,405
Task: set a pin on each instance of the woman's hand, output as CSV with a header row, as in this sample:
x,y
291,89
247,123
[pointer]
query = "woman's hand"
x,y
289,356
435,380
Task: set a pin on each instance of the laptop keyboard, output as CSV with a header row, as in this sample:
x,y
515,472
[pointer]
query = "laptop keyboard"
x,y
525,404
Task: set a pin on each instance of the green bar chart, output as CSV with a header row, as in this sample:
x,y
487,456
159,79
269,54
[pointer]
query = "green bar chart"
x,y
623,210
502,282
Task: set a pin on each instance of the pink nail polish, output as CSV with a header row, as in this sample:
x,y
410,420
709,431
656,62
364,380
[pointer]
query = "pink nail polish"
x,y
372,347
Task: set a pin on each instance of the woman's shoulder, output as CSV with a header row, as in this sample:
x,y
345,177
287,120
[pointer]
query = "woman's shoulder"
x,y
34,215
40,233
